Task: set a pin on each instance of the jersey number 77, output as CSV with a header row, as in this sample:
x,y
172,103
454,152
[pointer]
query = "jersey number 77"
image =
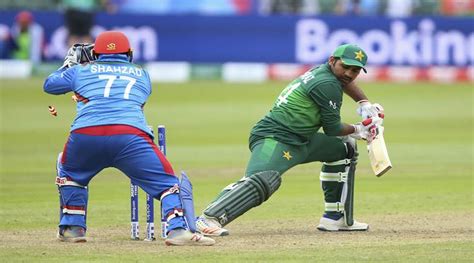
x,y
110,81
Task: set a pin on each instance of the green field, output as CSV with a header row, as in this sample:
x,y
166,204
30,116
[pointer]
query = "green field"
x,y
420,211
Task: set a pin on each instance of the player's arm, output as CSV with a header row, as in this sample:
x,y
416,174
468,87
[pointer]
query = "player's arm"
x,y
366,109
146,75
355,92
60,81
147,86
328,98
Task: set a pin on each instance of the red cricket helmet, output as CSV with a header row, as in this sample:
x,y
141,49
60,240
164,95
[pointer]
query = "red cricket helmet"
x,y
112,42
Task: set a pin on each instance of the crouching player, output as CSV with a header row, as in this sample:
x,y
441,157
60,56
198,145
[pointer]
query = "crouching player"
x,y
110,130
288,135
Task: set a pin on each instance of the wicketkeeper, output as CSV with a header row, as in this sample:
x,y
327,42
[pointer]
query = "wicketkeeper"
x,y
288,135
110,130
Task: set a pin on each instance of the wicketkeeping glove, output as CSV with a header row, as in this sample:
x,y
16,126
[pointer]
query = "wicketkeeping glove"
x,y
366,130
367,109
70,59
77,54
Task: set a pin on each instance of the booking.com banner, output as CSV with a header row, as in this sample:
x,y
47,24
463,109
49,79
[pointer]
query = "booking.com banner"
x,y
416,41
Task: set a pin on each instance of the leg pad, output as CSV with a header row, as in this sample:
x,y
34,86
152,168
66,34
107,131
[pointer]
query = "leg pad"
x,y
247,193
337,180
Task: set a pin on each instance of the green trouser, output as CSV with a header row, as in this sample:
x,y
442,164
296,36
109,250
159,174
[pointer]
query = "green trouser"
x,y
269,155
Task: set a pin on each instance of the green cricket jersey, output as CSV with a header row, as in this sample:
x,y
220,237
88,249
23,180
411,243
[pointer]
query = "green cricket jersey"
x,y
308,103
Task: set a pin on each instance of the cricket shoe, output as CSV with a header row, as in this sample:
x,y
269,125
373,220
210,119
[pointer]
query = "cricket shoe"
x,y
210,227
183,237
327,224
74,234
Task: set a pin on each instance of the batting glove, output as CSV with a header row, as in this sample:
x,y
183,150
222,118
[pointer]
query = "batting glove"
x,y
367,129
367,109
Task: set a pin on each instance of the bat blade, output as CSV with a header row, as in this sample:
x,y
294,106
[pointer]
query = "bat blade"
x,y
378,154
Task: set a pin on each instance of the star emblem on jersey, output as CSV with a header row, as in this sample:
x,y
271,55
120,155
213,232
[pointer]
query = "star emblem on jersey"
x,y
359,55
287,155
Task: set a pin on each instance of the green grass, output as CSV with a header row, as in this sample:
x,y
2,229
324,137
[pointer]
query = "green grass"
x,y
421,211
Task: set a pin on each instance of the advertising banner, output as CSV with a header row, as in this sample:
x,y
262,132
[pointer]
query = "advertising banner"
x,y
416,41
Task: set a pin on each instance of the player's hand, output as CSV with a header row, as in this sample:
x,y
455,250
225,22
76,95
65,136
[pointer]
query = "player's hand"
x,y
359,132
77,54
367,109
87,52
367,129
71,58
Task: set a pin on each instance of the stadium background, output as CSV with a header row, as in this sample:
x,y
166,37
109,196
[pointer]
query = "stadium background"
x,y
406,40
217,67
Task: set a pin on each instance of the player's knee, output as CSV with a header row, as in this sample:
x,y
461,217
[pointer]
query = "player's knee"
x,y
73,196
267,183
73,200
247,193
351,147
350,151
172,191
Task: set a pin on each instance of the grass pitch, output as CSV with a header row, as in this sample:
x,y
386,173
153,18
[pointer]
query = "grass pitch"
x,y
420,211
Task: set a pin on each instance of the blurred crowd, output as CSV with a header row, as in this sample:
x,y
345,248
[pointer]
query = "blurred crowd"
x,y
25,39
392,8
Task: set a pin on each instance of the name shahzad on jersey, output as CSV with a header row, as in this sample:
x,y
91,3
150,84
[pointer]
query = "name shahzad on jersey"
x,y
116,69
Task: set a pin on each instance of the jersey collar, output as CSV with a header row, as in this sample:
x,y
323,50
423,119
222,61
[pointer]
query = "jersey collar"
x,y
113,57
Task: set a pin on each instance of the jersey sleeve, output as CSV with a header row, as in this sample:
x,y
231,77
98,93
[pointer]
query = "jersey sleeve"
x,y
60,81
147,76
328,97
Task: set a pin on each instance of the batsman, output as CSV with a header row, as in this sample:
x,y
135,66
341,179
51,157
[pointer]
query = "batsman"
x,y
304,125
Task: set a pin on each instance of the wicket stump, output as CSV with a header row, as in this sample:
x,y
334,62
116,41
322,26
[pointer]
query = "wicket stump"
x,y
150,207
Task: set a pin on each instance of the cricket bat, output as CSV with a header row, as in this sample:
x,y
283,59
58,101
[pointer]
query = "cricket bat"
x,y
378,154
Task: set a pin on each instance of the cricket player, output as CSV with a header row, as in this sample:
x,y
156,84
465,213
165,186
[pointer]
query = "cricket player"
x,y
110,130
289,135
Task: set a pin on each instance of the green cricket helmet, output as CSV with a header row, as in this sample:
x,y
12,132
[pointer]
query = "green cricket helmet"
x,y
351,55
